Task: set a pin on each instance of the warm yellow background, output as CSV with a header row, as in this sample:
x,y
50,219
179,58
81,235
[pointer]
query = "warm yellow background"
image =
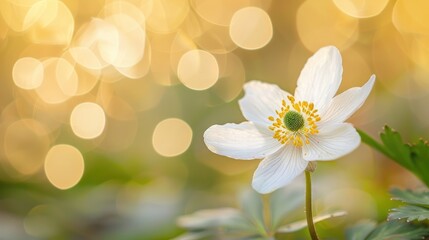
x,y
103,105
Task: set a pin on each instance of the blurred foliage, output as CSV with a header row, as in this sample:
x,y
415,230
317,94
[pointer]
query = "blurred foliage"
x,y
394,230
259,217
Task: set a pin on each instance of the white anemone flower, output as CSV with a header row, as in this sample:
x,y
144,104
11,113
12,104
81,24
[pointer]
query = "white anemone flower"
x,y
288,131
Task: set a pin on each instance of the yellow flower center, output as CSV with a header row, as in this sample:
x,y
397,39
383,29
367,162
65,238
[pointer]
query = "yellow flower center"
x,y
294,122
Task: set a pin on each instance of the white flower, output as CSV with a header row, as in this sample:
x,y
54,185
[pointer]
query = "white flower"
x,y
289,131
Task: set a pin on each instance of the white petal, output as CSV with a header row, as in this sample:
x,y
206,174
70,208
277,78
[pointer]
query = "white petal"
x,y
240,141
348,102
278,169
332,142
260,101
320,78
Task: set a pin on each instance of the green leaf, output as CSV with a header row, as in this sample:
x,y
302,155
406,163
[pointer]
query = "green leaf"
x,y
410,213
373,143
252,208
400,152
296,226
398,230
284,202
414,157
411,197
420,159
361,230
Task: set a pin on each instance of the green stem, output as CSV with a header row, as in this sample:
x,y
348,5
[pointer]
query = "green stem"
x,y
308,206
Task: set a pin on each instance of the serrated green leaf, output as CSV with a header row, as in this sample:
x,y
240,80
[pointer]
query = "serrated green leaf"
x,y
361,230
410,213
296,226
420,159
411,197
372,143
399,151
414,157
396,230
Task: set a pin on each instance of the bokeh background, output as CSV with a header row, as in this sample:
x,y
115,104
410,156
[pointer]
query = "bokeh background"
x,y
103,105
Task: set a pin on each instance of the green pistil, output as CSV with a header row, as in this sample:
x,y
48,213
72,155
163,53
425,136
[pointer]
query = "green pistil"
x,y
293,121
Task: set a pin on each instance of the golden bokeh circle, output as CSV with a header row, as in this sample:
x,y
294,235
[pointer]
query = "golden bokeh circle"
x,y
64,166
198,70
171,137
320,23
88,120
27,73
361,8
251,28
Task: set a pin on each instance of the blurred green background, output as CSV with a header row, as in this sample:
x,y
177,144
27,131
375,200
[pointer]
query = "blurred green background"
x,y
104,103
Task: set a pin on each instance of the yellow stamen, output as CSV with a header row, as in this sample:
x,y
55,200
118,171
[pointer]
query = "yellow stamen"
x,y
300,136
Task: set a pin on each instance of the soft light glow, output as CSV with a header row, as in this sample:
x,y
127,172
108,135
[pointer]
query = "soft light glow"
x,y
198,70
166,15
218,12
26,142
41,222
251,28
64,166
129,49
411,16
79,60
66,77
320,23
21,15
232,78
57,88
55,25
171,137
85,57
27,73
361,8
87,120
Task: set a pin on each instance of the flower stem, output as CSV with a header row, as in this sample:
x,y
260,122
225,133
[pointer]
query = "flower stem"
x,y
308,206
